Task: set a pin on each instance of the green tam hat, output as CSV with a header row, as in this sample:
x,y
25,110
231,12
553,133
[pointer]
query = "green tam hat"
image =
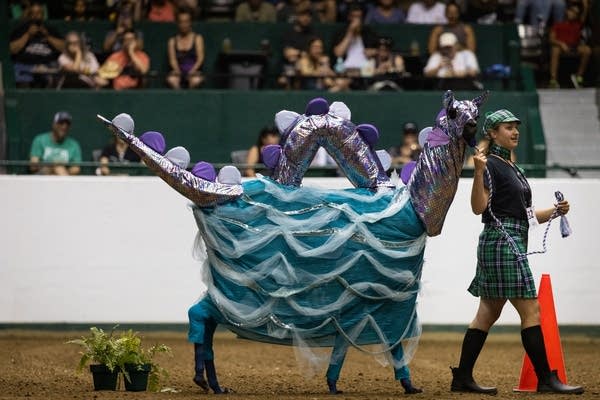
x,y
492,119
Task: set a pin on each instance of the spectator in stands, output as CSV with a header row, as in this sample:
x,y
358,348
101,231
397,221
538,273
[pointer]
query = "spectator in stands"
x,y
190,5
450,62
355,44
314,69
78,65
268,135
56,147
386,61
295,41
565,38
116,152
161,11
483,12
79,12
409,150
113,41
35,47
539,11
326,10
126,67
426,12
289,11
186,54
463,32
18,9
386,12
125,9
584,8
344,7
255,11
389,66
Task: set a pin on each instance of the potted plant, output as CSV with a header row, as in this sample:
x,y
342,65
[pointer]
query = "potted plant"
x,y
99,347
120,354
140,370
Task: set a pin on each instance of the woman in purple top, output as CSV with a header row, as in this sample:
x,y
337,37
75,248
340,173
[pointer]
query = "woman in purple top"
x,y
186,54
386,12
463,32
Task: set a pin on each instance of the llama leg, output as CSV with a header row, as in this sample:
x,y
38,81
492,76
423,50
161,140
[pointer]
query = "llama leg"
x,y
401,371
199,367
198,315
209,358
338,354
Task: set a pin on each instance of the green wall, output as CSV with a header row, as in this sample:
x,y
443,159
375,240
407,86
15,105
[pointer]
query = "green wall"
x,y
212,123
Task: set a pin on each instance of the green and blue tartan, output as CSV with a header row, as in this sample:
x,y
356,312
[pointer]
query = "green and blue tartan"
x,y
499,273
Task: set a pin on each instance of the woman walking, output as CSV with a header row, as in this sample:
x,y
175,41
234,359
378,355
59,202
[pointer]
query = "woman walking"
x,y
503,271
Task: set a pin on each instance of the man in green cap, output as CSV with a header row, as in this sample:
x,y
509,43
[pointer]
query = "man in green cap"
x,y
56,147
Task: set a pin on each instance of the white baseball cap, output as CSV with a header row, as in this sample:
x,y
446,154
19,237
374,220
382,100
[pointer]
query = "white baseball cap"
x,y
448,39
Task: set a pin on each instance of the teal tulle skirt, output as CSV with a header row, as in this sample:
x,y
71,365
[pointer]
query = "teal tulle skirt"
x,y
307,266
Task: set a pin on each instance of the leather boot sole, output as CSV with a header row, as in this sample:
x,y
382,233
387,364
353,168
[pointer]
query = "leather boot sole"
x,y
474,389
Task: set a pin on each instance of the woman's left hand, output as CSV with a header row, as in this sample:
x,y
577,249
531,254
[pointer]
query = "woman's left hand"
x,y
562,207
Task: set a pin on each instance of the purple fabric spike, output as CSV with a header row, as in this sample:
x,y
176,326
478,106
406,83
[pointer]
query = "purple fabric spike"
x,y
155,141
270,155
437,137
369,133
317,106
440,115
204,170
407,171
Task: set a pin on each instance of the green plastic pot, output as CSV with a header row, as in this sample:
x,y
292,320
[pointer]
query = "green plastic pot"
x,y
104,378
138,377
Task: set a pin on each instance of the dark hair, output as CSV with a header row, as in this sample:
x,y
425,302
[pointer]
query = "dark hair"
x,y
355,6
452,3
312,40
130,30
264,132
182,11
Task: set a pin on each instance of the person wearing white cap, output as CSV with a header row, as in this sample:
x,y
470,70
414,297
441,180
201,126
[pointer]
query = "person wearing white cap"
x,y
449,61
57,148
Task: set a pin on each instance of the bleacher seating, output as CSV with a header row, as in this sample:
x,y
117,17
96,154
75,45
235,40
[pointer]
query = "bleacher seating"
x,y
497,44
212,122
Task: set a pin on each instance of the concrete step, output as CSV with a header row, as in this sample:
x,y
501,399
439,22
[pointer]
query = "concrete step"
x,y
571,127
568,96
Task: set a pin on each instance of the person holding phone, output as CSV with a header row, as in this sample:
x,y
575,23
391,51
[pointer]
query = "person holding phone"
x,y
34,48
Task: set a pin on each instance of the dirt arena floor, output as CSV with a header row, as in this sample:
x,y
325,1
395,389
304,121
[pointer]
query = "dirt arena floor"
x,y
39,365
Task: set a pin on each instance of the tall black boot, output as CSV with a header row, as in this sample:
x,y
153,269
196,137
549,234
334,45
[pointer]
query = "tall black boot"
x,y
462,377
548,382
199,367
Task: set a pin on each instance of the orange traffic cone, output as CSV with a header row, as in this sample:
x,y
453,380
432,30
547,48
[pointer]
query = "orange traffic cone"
x,y
528,382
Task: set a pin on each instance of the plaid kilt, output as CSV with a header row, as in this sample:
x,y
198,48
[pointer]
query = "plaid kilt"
x,y
499,274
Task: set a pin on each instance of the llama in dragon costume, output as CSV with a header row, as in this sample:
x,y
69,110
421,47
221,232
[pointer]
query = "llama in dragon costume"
x,y
302,266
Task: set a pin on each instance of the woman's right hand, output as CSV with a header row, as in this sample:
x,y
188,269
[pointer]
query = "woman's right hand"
x,y
479,160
